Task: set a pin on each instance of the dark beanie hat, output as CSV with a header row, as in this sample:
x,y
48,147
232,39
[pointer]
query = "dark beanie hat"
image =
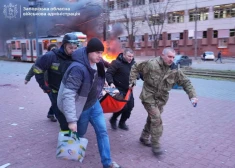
x,y
94,45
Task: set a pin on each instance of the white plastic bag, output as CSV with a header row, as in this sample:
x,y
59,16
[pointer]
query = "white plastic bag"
x,y
70,146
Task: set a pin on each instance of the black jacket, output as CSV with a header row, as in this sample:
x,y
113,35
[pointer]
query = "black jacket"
x,y
118,73
55,62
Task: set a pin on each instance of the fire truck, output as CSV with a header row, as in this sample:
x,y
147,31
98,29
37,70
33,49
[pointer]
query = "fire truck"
x,y
25,49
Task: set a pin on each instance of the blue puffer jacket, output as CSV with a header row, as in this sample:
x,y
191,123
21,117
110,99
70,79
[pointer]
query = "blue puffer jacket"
x,y
77,83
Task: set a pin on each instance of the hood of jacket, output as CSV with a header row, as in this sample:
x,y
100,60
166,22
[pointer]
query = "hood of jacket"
x,y
80,55
61,53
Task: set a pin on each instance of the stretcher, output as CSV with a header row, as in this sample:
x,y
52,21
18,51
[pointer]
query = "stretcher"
x,y
112,104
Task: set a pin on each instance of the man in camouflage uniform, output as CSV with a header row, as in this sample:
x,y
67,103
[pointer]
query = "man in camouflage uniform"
x,y
159,76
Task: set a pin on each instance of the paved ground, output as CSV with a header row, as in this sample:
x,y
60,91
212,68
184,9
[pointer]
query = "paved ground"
x,y
201,137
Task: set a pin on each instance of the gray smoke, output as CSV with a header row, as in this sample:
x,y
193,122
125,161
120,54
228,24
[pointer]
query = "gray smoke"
x,y
113,45
90,21
116,31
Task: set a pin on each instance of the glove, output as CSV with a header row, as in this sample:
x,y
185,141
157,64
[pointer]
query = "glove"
x,y
46,89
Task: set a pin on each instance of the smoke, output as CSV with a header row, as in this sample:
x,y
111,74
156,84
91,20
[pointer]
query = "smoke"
x,y
112,45
116,31
90,21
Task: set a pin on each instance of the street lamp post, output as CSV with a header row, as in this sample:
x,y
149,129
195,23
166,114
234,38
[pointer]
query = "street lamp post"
x,y
35,4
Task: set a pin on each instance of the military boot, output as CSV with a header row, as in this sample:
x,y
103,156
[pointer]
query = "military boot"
x,y
145,142
144,139
156,149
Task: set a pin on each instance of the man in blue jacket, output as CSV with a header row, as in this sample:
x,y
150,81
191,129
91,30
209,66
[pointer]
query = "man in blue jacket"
x,y
78,96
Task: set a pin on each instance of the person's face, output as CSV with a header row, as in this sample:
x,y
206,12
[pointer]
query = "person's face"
x,y
95,57
168,58
128,56
70,48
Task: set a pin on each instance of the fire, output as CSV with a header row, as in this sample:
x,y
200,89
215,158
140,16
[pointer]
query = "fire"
x,y
109,57
111,50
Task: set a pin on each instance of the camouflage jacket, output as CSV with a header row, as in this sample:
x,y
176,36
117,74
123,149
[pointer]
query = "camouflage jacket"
x,y
158,81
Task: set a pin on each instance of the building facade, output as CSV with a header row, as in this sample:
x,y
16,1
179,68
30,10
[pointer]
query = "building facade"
x,y
209,25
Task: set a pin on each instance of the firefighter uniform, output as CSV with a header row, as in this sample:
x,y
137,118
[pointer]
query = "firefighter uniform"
x,y
158,81
55,62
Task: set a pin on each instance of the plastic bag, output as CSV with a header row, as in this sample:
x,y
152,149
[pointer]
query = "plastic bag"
x,y
70,146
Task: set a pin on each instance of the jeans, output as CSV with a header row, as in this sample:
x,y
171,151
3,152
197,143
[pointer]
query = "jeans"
x,y
59,115
95,116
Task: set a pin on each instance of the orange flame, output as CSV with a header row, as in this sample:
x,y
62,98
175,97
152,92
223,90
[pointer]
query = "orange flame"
x,y
111,50
109,57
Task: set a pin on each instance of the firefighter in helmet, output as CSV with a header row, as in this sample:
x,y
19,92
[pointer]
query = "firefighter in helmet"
x,y
56,62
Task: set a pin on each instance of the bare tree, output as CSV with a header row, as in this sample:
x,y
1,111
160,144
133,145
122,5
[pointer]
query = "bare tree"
x,y
156,15
131,24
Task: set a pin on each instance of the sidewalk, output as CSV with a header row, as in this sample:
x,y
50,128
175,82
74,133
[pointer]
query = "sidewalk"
x,y
201,137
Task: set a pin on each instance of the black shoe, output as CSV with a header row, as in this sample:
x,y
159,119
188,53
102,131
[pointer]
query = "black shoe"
x,y
113,123
52,118
123,126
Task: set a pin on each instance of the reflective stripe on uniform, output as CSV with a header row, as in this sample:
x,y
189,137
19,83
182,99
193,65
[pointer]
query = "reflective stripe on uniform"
x,y
55,66
54,91
37,70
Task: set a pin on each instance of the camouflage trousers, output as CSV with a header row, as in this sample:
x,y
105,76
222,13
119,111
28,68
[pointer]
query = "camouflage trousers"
x,y
153,126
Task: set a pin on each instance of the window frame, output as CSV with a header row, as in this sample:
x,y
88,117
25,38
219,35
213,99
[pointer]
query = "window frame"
x,y
203,14
138,2
223,42
231,32
122,4
176,17
204,34
154,1
111,5
215,33
224,11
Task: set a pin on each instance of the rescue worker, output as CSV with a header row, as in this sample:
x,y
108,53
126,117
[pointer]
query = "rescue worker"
x,y
78,96
30,74
117,76
159,77
56,63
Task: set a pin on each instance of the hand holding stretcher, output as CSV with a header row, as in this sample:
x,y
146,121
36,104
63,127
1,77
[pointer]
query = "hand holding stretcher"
x,y
113,101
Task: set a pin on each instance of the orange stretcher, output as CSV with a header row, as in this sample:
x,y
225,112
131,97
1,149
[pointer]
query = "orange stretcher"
x,y
111,104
